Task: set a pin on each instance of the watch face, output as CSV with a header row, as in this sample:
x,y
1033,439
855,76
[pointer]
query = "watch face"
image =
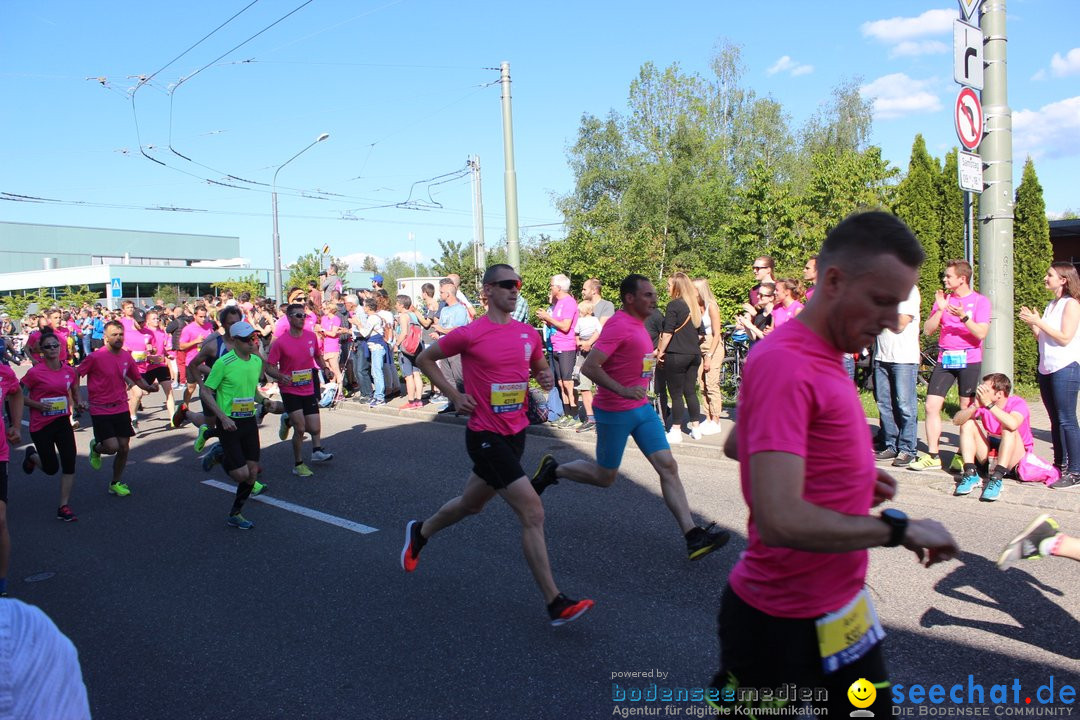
x,y
894,514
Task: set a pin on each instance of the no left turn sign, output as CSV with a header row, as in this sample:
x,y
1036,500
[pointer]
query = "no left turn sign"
x,y
968,116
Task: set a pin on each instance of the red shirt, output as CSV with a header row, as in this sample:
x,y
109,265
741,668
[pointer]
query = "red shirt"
x,y
631,360
105,372
496,361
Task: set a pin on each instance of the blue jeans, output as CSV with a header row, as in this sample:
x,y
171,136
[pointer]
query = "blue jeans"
x,y
849,366
361,367
897,402
1059,391
378,353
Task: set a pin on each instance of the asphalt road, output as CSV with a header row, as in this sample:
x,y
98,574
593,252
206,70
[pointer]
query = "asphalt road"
x,y
177,616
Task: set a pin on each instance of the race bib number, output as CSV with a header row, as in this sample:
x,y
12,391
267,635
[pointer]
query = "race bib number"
x,y
648,365
138,356
54,406
954,359
243,407
849,633
507,397
301,378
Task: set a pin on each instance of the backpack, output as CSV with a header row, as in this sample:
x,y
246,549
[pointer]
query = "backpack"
x,y
329,394
411,344
1033,468
536,409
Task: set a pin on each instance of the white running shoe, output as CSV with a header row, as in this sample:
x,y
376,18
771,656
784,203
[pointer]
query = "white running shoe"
x,y
674,435
320,456
695,433
710,428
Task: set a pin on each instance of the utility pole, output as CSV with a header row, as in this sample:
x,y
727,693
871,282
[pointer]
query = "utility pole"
x,y
996,202
513,247
479,253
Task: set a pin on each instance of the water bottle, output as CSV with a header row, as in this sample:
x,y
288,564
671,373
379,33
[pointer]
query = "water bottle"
x,y
991,460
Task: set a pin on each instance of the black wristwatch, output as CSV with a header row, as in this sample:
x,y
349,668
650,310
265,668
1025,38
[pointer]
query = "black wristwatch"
x,y
897,522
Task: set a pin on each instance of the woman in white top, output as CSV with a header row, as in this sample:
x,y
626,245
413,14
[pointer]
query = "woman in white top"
x,y
712,355
1059,366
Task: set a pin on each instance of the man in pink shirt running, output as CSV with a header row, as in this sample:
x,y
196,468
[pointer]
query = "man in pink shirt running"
x,y
621,363
796,609
498,355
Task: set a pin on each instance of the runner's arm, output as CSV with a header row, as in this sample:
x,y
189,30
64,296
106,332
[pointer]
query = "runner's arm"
x,y
593,369
15,412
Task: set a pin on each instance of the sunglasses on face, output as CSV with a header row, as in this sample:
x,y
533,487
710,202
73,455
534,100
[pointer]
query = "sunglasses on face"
x,y
299,316
508,284
763,295
759,267
50,347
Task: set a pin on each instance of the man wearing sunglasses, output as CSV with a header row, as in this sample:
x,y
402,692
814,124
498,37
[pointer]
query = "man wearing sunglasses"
x,y
294,362
763,273
230,395
498,355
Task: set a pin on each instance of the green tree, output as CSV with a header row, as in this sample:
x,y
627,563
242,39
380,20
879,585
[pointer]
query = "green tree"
x,y
18,305
918,202
396,268
369,265
78,298
952,212
245,283
307,267
1032,254
169,294
456,258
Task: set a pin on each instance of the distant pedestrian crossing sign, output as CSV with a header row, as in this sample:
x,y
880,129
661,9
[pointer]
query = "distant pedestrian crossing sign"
x,y
115,288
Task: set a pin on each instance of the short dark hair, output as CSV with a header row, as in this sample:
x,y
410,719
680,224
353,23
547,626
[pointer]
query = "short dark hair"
x,y
227,311
405,300
491,272
115,323
862,236
999,382
291,307
371,304
630,285
428,289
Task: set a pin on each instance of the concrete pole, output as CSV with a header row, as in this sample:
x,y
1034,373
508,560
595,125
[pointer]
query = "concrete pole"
x,y
479,251
996,202
513,247
277,250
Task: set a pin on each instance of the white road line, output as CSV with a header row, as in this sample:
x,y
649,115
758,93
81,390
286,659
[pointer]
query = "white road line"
x,y
299,510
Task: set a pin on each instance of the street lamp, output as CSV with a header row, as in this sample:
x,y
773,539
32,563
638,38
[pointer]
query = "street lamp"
x,y
277,238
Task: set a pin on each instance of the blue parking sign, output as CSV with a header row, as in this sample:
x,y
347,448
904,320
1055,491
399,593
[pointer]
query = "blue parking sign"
x,y
115,288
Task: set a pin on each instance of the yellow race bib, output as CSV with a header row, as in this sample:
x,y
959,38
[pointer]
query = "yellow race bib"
x,y
243,407
301,377
508,397
54,406
648,365
849,633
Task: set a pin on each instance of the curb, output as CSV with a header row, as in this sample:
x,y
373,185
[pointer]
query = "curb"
x,y
1024,494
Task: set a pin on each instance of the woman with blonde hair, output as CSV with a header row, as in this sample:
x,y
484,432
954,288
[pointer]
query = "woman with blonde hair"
x,y
712,355
679,350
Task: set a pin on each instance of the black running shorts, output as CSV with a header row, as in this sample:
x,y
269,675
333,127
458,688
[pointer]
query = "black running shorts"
x,y
308,403
562,365
241,445
160,373
496,458
967,380
117,425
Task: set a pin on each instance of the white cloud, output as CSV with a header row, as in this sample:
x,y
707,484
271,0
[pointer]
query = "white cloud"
x,y
912,48
410,257
898,95
1065,66
1052,128
898,29
356,260
786,64
1039,76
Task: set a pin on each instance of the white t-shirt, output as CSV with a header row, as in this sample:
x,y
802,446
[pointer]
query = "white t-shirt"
x,y
589,326
902,347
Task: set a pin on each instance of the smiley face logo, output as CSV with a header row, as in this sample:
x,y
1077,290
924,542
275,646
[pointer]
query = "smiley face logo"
x,y
862,693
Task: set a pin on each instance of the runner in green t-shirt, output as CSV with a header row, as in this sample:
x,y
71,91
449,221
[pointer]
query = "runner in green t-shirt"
x,y
230,395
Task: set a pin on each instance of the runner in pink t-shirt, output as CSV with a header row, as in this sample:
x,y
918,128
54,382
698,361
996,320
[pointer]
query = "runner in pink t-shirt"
x,y
9,391
498,355
998,423
810,482
52,389
963,317
191,337
621,363
156,365
294,361
106,370
33,341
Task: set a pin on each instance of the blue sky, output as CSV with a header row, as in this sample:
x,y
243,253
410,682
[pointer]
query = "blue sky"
x,y
403,88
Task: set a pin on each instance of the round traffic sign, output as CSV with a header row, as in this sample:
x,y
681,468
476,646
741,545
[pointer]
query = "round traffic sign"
x,y
968,117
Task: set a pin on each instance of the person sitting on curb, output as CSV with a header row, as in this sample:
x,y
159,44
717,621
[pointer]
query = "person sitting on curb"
x,y
999,422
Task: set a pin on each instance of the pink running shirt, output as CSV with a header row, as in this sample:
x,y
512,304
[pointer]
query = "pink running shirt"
x,y
198,333
61,335
1013,403
825,425
295,357
140,344
159,340
9,384
331,324
631,360
281,327
496,361
781,314
954,333
50,387
105,387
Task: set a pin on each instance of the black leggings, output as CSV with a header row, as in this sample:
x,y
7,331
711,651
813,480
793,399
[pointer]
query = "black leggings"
x,y
58,435
680,373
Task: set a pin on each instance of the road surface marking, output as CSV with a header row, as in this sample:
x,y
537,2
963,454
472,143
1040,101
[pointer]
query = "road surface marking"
x,y
299,510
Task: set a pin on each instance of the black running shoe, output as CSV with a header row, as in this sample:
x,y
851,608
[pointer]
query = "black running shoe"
x,y
544,476
27,464
179,416
562,609
702,541
414,543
